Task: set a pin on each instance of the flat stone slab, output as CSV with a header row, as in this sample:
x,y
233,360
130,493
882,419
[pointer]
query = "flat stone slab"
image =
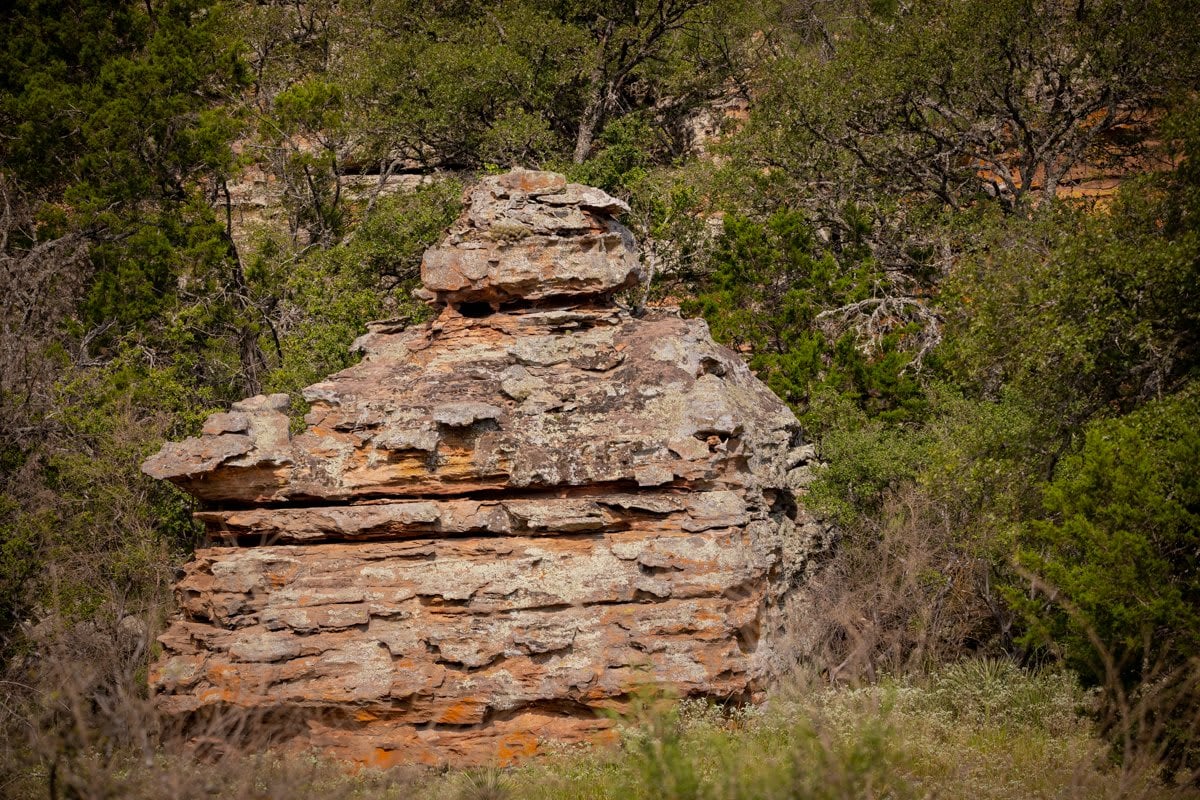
x,y
532,236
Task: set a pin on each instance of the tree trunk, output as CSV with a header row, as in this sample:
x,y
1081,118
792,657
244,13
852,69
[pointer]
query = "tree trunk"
x,y
253,359
593,116
602,90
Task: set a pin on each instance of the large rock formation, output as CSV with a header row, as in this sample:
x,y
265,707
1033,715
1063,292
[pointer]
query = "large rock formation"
x,y
501,522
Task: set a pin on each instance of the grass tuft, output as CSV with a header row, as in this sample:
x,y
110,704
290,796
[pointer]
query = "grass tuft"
x,y
981,730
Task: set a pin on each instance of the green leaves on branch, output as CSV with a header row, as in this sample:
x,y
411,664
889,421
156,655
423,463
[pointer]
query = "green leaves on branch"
x,y
325,297
958,101
1117,559
1112,574
771,288
1083,314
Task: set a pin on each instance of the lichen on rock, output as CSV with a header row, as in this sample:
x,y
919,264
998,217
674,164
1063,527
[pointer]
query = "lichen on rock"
x,y
529,236
499,523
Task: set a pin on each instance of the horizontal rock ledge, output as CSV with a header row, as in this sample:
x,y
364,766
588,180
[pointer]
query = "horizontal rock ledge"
x,y
550,516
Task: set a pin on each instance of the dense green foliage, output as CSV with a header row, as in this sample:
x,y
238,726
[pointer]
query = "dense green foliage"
x,y
201,200
768,293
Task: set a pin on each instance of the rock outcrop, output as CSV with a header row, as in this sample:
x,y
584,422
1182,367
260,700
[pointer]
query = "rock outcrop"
x,y
501,522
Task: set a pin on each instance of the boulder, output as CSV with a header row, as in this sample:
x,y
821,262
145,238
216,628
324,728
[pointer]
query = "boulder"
x,y
501,524
529,236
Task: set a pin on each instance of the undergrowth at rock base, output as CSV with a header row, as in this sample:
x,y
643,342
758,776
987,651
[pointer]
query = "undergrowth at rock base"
x,y
976,729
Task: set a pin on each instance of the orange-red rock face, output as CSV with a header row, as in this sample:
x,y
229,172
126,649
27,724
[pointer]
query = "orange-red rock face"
x,y
496,526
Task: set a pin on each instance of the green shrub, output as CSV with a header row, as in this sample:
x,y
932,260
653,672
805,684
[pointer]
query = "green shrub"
x,y
327,296
1114,569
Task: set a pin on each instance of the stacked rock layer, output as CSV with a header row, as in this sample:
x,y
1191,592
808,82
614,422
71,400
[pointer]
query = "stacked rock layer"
x,y
500,524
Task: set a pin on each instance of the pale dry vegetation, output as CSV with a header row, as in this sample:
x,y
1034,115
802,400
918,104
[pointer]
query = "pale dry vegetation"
x,y
78,724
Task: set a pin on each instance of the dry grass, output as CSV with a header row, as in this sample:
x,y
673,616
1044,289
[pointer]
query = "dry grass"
x,y
903,591
80,726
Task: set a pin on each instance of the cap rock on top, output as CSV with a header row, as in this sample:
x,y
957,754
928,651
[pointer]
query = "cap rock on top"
x,y
530,235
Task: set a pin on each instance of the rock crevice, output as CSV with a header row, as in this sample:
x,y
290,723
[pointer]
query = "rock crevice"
x,y
500,523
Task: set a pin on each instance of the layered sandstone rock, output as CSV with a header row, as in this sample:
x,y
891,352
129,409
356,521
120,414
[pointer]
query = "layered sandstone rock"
x,y
499,523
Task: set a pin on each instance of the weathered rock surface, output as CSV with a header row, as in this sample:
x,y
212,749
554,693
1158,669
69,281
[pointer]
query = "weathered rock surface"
x,y
531,235
501,522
